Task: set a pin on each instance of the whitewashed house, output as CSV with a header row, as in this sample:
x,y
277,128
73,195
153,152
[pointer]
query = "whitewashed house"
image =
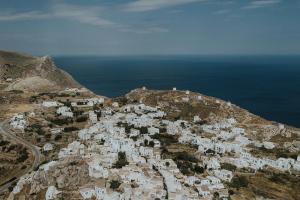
x,y
96,170
213,163
49,104
55,131
203,191
87,193
146,151
51,193
223,174
48,165
197,119
74,148
185,99
100,192
84,134
153,130
48,147
281,126
93,117
115,104
18,121
268,145
64,111
213,180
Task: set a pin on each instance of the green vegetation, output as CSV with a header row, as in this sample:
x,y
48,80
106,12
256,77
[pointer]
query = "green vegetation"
x,y
126,126
185,162
57,137
122,160
61,121
82,119
16,91
70,129
114,184
239,182
23,156
228,166
143,130
198,169
4,143
151,143
165,139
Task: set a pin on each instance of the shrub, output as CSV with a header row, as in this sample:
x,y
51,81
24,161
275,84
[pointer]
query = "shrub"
x,y
115,184
151,143
228,166
198,169
162,130
58,137
70,129
40,131
122,160
184,167
165,139
77,112
146,142
238,182
82,119
23,156
186,157
61,121
3,142
143,130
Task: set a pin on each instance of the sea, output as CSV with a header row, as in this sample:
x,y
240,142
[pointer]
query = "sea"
x,y
268,86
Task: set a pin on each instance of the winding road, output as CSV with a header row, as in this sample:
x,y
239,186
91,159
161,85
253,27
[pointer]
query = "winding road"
x,y
4,129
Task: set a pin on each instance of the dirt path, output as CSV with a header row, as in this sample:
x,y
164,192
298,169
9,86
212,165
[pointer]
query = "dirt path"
x,y
35,151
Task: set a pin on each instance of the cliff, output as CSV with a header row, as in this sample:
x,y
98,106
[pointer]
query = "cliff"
x,y
26,72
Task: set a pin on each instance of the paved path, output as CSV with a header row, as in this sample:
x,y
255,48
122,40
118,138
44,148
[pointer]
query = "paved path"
x,y
35,151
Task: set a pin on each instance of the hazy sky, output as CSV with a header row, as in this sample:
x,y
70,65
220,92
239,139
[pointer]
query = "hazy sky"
x,y
122,27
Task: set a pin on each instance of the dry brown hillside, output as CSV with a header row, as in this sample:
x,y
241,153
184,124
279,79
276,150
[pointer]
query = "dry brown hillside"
x,y
26,72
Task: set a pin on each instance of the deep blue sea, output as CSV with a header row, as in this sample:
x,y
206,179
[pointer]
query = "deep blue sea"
x,y
268,86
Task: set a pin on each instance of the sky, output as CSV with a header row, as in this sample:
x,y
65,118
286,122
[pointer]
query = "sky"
x,y
150,27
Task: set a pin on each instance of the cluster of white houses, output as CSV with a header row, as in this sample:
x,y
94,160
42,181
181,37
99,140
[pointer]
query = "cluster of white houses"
x,y
18,121
147,175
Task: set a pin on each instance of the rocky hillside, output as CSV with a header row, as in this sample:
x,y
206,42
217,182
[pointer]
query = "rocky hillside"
x,y
26,72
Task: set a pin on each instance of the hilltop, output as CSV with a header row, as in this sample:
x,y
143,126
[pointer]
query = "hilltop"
x,y
26,72
149,144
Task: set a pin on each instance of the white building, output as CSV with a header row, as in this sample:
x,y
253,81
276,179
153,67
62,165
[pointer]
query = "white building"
x,y
56,130
93,117
51,193
213,163
96,170
223,174
197,119
49,104
269,145
18,121
87,193
185,99
74,148
153,130
48,147
64,111
115,104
